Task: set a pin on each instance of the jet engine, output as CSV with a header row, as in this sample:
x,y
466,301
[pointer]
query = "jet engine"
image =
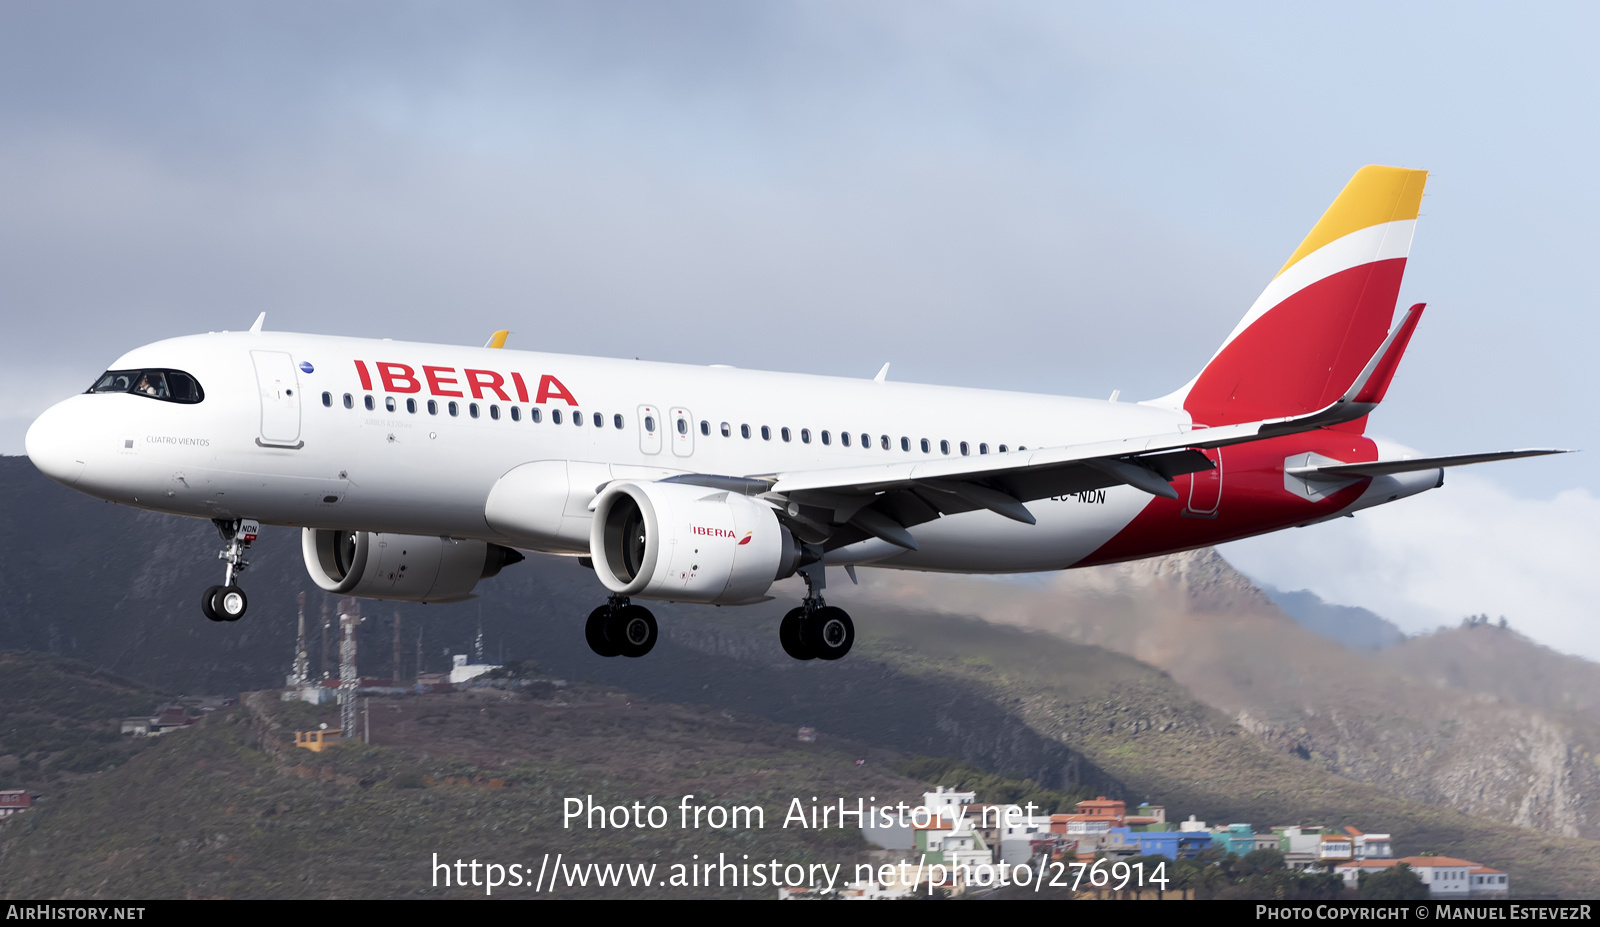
x,y
688,543
407,567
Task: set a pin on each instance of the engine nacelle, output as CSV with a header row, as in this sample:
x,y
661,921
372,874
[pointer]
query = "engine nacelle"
x,y
688,544
407,567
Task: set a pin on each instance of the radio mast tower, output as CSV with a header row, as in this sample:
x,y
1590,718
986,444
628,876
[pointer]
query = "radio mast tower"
x,y
396,671
302,660
349,619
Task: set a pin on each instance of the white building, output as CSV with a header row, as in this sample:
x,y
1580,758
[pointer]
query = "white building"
x,y
1445,876
1371,846
947,803
461,670
1490,883
1016,837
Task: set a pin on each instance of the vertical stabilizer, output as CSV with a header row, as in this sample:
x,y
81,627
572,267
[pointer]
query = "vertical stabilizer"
x,y
1317,324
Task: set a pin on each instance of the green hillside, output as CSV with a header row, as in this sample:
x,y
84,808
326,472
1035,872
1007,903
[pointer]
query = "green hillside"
x,y
1144,730
229,809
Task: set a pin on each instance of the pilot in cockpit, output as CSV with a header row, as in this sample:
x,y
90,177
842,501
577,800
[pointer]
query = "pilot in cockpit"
x,y
152,385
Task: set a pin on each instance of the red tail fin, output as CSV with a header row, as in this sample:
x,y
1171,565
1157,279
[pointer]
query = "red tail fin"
x,y
1316,326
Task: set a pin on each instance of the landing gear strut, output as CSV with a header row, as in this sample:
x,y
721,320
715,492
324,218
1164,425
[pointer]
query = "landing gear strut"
x,y
620,629
227,602
816,630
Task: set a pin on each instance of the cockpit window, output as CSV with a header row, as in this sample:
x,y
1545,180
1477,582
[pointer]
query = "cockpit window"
x,y
167,385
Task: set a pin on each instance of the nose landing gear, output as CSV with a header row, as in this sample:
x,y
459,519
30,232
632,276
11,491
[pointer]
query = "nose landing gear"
x,y
228,602
816,630
621,629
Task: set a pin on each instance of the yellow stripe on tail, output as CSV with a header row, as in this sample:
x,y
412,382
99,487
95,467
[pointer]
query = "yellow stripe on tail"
x,y
1375,195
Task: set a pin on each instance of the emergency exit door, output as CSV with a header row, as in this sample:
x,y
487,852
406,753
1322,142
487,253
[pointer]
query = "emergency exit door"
x,y
650,428
682,432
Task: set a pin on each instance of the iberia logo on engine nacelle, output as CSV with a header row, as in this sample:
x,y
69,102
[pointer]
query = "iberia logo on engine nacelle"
x,y
721,533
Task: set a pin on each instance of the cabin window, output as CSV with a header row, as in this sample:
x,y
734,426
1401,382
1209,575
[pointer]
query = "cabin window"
x,y
766,433
844,438
727,432
433,407
411,406
744,431
983,448
388,403
600,421
367,401
905,443
805,436
705,427
455,408
577,418
965,450
944,447
885,442
617,421
349,402
555,416
649,423
827,438
926,446
516,414
472,409
1001,448
494,412
784,432
683,426
327,400
866,441
535,415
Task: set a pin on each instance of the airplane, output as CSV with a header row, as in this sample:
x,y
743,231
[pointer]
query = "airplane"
x,y
416,471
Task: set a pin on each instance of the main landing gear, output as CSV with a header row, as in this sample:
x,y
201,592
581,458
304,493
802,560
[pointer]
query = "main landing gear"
x,y
816,630
620,629
227,602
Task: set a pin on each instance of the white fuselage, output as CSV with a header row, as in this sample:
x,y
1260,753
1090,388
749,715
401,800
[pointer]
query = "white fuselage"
x,y
274,440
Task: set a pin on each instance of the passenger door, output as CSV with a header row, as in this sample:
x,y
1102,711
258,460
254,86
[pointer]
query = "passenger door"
x,y
280,399
1205,489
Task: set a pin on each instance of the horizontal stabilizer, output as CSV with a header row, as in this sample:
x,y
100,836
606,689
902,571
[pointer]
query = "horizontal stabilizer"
x,y
1385,467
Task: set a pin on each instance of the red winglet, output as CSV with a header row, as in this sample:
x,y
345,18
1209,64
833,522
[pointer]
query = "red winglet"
x,y
1378,383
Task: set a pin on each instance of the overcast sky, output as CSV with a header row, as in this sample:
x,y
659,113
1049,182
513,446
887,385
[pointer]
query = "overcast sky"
x,y
1067,199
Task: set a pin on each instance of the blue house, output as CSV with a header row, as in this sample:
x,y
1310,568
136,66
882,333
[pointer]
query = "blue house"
x,y
1173,844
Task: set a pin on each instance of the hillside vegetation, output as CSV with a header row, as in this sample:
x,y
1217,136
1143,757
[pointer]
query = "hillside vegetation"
x,y
1478,719
228,808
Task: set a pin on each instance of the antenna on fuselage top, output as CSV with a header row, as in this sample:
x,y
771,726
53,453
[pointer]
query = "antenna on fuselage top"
x,y
883,374
255,327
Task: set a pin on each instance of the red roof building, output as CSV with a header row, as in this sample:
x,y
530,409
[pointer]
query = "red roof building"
x,y
14,801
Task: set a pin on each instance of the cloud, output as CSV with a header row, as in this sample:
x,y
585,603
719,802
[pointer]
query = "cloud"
x,y
1468,548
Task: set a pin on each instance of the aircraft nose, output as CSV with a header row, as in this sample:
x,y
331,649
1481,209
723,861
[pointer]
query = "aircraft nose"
x,y
55,442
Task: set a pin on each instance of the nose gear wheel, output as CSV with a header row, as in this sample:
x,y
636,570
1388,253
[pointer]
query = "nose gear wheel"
x,y
228,602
